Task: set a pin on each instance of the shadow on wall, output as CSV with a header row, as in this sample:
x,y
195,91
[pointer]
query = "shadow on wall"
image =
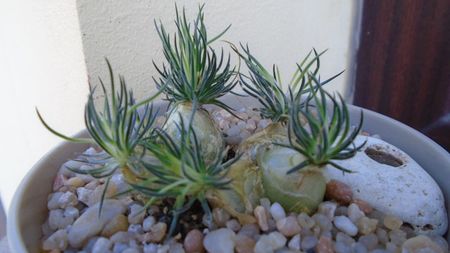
x,y
281,33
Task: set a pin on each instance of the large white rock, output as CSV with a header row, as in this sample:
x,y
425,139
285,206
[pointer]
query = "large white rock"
x,y
403,189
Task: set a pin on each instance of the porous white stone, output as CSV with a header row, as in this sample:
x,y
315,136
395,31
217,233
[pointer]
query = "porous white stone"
x,y
406,191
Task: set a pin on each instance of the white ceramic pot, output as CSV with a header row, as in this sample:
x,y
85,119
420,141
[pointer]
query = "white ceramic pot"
x,y
28,209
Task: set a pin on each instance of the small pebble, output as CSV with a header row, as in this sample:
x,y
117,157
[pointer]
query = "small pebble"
x,y
131,250
325,245
359,248
328,209
163,249
72,212
53,200
90,244
193,242
67,199
220,241
288,226
397,236
363,205
341,210
379,251
344,238
244,244
220,216
122,237
148,223
305,221
57,220
345,225
382,236
176,247
119,182
74,182
263,123
233,131
392,222
136,215
421,244
151,248
57,240
92,184
392,248
96,195
270,243
70,164
261,218
83,195
367,225
309,242
234,225
370,241
338,191
157,232
136,229
295,242
375,214
323,222
250,230
277,211
354,213
102,245
116,224
341,247
441,241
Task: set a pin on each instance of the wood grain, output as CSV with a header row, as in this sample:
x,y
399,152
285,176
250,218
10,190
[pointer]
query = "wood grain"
x,y
404,63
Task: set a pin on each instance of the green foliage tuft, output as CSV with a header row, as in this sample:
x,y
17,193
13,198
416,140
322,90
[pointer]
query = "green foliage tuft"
x,y
194,72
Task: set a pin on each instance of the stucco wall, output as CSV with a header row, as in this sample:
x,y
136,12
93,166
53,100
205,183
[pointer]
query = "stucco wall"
x,y
280,32
42,65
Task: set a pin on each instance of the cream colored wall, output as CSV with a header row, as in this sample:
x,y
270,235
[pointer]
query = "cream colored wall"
x,y
41,65
42,62
280,32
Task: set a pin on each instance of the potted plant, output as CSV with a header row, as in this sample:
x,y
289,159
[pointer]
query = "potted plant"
x,y
153,178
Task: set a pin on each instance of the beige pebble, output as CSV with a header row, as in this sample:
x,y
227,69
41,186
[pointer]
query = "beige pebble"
x,y
288,226
75,182
420,244
366,225
220,216
244,244
325,245
392,222
261,218
157,232
116,224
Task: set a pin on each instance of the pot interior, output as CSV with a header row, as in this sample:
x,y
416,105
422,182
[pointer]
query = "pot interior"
x,y
28,209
